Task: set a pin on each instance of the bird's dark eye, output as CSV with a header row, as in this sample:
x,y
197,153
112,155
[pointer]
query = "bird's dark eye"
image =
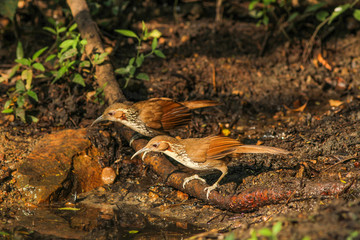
x,y
111,113
155,145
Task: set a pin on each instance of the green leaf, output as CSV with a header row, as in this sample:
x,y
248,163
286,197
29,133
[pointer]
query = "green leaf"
x,y
276,228
20,112
154,44
132,70
252,5
68,54
127,33
73,27
353,235
84,64
38,53
155,34
8,8
78,79
20,101
52,21
100,58
140,60
49,29
265,20
356,14
14,69
42,75
159,53
7,104
230,236
322,15
315,7
28,76
306,238
338,11
293,16
268,2
70,64
265,232
142,76
62,29
143,26
20,86
131,61
33,95
133,231
10,110
67,43
2,233
69,209
23,61
38,66
145,34
256,14
33,118
83,42
19,51
50,57
253,235
60,73
122,71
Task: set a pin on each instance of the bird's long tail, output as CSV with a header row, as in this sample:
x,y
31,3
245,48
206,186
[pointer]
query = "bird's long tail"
x,y
260,149
200,104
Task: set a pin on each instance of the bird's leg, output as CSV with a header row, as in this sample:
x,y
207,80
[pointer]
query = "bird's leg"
x,y
193,177
224,170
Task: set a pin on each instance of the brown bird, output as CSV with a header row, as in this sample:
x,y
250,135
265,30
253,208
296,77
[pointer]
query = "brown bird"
x,y
203,153
153,117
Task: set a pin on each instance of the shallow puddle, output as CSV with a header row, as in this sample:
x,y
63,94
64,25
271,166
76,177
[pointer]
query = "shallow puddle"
x,y
91,223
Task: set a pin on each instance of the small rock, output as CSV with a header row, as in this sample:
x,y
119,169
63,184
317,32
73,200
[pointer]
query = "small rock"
x,y
108,175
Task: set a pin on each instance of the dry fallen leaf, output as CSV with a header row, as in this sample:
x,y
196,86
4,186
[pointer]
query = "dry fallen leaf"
x,y
335,103
340,84
324,62
226,132
299,109
182,196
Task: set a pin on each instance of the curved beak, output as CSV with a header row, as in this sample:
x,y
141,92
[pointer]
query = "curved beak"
x,y
99,119
144,150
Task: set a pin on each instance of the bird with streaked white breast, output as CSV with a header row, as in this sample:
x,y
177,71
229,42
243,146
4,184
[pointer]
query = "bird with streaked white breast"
x,y
203,153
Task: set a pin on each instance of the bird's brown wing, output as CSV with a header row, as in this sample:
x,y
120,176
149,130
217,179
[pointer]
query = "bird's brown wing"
x,y
216,148
210,148
163,113
221,147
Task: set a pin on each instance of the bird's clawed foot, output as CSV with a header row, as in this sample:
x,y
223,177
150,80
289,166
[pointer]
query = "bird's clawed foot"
x,y
209,189
196,177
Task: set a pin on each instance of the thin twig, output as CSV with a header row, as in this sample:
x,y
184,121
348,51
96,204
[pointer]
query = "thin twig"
x,y
342,161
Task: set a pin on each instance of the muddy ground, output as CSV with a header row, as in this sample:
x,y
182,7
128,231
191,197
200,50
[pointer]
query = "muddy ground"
x,y
275,99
